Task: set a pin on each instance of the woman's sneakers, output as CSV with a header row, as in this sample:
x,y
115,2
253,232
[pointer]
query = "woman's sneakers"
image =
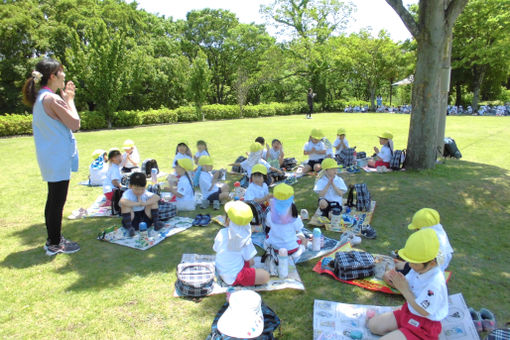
x,y
65,247
477,319
488,320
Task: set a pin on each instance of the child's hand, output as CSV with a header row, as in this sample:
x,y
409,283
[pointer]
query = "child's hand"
x,y
398,280
376,149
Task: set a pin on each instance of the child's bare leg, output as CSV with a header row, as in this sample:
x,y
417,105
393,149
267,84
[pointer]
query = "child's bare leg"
x,y
261,276
323,205
371,163
307,168
317,167
395,335
383,324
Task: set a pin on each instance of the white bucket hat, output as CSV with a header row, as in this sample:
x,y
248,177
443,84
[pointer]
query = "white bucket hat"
x,y
243,317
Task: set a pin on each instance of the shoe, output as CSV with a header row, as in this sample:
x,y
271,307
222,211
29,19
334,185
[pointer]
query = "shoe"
x,y
216,205
197,219
488,320
379,169
304,214
348,236
131,232
204,204
477,319
158,225
205,220
65,247
368,232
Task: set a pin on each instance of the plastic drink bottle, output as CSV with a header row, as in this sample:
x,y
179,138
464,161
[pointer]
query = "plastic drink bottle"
x,y
154,175
143,230
316,242
283,263
237,189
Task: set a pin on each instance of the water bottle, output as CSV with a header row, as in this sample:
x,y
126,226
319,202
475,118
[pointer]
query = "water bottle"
x,y
237,189
336,217
316,242
154,175
283,263
143,230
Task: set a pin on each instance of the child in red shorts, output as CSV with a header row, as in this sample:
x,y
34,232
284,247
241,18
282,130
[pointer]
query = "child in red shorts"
x,y
235,250
424,289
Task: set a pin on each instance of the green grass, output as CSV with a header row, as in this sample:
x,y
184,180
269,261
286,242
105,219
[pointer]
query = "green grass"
x,y
107,291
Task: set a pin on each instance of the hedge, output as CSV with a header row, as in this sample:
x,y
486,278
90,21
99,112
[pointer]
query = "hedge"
x,y
20,124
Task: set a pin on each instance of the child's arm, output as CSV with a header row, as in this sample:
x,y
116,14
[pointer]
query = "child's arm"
x,y
174,191
339,191
276,170
116,183
399,281
323,192
280,158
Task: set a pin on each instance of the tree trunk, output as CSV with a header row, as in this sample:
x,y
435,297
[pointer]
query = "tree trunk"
x,y
479,74
423,130
391,90
458,94
445,88
372,98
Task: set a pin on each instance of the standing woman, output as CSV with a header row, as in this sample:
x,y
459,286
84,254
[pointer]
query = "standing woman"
x,y
309,98
54,119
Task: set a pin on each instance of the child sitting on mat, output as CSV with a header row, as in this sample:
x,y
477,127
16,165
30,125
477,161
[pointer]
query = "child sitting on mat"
x,y
330,188
130,157
275,154
139,205
184,192
181,151
315,150
235,250
285,225
424,289
212,189
257,194
98,168
340,143
201,151
113,176
383,156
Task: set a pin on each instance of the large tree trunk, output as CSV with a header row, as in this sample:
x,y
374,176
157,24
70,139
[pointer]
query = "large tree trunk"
x,y
445,89
372,98
479,74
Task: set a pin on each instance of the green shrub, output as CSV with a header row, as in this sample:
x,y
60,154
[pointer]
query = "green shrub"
x,y
336,106
15,124
187,114
251,111
92,120
126,118
161,116
218,111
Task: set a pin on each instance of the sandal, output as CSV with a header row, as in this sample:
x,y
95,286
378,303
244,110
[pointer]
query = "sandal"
x,y
488,320
477,319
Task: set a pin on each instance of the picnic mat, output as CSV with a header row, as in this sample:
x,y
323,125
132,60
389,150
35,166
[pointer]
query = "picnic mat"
x,y
87,182
354,220
95,210
293,281
370,283
118,235
329,246
335,320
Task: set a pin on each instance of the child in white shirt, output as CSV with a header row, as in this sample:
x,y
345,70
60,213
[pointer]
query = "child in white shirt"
x,y
423,288
113,176
275,154
285,225
235,250
130,157
330,188
201,151
315,150
181,151
340,142
184,192
98,168
257,194
209,184
383,156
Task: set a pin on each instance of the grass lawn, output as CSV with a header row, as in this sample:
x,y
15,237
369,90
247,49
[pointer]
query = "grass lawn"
x,y
108,291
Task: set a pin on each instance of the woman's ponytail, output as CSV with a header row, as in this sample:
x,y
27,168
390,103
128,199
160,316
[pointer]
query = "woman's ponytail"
x,y
39,78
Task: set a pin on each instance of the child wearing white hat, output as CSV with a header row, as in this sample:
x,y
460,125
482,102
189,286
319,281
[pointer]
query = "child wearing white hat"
x,y
98,167
130,157
235,250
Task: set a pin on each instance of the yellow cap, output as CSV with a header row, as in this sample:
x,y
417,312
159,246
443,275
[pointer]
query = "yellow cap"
x,y
185,163
205,160
317,134
254,147
128,144
283,192
97,153
340,131
422,246
239,212
328,163
386,135
259,168
425,217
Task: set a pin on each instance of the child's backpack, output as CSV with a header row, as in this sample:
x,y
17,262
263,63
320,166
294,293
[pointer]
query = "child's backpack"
x,y
289,163
347,156
195,279
271,324
451,149
238,168
359,193
167,210
148,165
397,159
353,265
117,195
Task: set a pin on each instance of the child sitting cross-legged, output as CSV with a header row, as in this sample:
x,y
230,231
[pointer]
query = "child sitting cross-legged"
x,y
139,205
235,250
423,288
212,189
184,192
330,188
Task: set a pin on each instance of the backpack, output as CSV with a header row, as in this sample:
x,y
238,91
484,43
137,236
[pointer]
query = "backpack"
x,y
451,149
271,324
289,163
167,210
238,168
117,195
148,165
347,157
397,159
195,279
360,194
499,334
361,155
353,265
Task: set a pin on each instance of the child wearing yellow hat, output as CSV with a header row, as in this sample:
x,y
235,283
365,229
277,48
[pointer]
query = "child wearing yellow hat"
x,y
235,250
257,194
382,157
130,157
254,158
212,189
424,289
285,225
340,142
315,150
183,191
98,168
330,188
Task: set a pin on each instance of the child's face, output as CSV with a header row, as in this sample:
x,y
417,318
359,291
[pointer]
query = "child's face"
x,y
182,149
421,268
138,191
383,141
180,170
331,173
116,159
129,151
315,141
200,147
207,167
257,178
341,137
276,145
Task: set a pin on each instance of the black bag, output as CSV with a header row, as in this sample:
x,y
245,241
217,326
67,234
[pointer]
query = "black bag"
x,y
353,265
361,155
195,279
397,159
347,157
167,210
359,193
238,168
289,163
271,324
148,165
451,149
117,195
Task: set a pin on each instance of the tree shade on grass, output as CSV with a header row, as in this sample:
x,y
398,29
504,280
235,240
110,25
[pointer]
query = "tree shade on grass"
x,y
107,291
